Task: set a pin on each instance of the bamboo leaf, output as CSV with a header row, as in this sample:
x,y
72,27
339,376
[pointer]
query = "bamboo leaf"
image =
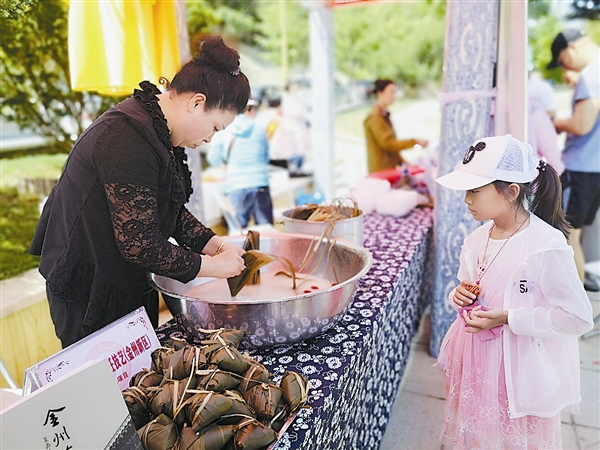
x,y
253,243
159,434
253,434
254,260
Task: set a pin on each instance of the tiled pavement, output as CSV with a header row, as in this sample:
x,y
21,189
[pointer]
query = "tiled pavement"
x,y
418,412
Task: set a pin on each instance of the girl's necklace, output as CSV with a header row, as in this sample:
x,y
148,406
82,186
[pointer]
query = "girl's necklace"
x,y
482,268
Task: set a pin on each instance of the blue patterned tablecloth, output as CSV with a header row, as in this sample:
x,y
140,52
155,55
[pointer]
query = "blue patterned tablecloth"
x,y
354,369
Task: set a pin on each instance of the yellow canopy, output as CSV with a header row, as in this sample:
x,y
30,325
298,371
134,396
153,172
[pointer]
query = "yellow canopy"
x,y
113,45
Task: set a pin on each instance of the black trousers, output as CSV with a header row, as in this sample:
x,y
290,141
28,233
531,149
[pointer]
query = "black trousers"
x,y
68,317
581,197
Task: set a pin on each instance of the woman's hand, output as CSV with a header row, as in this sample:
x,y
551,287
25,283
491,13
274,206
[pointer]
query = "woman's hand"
x,y
217,245
462,295
224,265
229,247
477,319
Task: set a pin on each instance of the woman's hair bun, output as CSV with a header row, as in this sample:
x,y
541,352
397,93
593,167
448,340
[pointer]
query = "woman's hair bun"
x,y
214,53
214,72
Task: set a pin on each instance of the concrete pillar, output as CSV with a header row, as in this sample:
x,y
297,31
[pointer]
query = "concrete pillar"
x,y
510,112
322,69
467,96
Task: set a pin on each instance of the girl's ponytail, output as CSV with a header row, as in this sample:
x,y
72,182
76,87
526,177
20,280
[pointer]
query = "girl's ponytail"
x,y
546,201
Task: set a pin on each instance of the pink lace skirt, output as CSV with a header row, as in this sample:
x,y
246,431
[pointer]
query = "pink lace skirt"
x,y
476,399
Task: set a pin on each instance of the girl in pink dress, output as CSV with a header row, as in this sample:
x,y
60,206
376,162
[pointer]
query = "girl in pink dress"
x,y
511,357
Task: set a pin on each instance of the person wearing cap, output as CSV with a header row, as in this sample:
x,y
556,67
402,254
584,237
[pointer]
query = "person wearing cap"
x,y
244,148
383,149
511,357
576,52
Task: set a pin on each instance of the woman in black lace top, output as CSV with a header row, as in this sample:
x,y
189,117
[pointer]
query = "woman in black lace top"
x,y
121,196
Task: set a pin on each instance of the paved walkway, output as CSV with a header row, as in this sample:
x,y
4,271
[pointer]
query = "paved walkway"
x,y
418,412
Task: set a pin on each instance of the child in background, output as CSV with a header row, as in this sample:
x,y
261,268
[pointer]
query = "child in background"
x,y
511,358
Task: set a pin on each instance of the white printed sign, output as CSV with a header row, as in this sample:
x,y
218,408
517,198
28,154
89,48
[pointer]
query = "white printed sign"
x,y
84,409
126,344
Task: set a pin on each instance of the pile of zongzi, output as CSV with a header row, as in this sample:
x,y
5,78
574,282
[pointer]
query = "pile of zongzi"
x,y
210,397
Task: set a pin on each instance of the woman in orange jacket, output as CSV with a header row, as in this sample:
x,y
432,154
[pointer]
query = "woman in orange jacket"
x,y
383,149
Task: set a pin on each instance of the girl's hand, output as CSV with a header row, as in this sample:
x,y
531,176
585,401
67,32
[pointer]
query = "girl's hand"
x,y
224,265
478,319
462,296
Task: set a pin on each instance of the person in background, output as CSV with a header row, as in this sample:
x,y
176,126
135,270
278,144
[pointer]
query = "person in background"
x,y
590,234
383,149
511,357
290,140
570,77
244,148
575,51
122,194
541,134
542,90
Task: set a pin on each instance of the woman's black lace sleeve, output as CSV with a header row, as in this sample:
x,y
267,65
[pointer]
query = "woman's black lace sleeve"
x,y
133,211
190,231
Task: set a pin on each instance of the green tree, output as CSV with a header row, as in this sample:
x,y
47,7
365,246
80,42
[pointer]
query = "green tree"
x,y
589,10
233,20
269,32
402,41
18,220
543,28
34,61
13,8
541,32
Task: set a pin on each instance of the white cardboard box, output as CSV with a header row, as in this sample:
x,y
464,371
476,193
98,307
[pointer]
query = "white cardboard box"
x,y
83,409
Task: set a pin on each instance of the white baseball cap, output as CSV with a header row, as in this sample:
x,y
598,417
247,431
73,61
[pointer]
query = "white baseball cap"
x,y
493,158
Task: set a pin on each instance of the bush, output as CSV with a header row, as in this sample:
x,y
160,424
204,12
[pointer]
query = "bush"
x,y
15,169
19,215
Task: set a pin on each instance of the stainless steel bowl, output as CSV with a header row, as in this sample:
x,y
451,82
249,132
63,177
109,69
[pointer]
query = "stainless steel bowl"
x,y
282,321
350,229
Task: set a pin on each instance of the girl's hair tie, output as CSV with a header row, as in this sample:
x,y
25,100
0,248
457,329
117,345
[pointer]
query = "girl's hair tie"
x,y
542,165
235,72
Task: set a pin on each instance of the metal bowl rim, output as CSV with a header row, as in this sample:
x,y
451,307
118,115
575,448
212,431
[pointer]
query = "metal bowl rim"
x,y
288,212
363,252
